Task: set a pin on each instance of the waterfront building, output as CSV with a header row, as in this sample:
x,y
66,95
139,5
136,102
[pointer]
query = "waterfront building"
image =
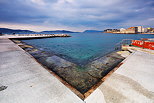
x,y
115,30
139,29
111,30
122,29
144,30
131,30
108,30
150,30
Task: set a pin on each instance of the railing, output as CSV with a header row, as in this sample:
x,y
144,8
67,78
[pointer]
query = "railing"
x,y
119,45
144,43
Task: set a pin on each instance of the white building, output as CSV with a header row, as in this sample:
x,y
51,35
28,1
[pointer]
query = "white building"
x,y
144,30
140,29
122,29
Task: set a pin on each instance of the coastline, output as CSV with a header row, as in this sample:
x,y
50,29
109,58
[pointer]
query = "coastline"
x,y
129,33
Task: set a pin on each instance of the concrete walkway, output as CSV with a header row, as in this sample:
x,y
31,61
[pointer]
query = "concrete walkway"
x,y
133,82
33,36
23,80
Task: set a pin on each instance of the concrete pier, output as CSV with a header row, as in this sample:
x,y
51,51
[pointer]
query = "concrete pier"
x,y
23,80
33,36
133,81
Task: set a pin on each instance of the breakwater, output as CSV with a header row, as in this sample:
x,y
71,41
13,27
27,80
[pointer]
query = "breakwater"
x,y
33,36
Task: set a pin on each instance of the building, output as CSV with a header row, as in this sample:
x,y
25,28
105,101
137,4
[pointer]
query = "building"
x,y
111,30
144,30
151,30
108,30
140,28
131,30
122,29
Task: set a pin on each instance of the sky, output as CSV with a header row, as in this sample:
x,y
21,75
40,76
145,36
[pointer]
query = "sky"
x,y
75,15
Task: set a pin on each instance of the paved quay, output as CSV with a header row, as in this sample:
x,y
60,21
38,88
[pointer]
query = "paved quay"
x,y
33,36
23,80
133,81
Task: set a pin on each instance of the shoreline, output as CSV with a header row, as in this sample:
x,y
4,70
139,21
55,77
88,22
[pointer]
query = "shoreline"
x,y
130,33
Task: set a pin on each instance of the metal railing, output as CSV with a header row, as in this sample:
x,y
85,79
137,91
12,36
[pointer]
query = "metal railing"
x,y
119,45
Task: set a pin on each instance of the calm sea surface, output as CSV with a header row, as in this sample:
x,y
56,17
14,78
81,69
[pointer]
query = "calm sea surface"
x,y
82,47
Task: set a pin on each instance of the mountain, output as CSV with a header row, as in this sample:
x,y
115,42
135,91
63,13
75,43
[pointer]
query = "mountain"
x,y
6,30
11,31
92,31
58,31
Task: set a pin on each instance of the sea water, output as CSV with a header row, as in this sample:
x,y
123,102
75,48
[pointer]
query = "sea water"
x,y
83,47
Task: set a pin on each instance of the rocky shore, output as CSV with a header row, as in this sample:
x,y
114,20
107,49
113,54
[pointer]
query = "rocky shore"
x,y
82,78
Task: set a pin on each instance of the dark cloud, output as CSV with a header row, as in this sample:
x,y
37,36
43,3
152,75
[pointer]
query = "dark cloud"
x,y
78,13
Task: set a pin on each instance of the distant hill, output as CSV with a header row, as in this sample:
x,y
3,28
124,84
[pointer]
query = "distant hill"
x,y
6,30
10,31
92,31
58,31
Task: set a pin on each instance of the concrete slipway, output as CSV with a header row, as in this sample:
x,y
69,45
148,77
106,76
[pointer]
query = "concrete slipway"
x,y
23,80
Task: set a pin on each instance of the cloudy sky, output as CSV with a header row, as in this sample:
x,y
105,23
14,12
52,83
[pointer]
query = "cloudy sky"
x,y
76,15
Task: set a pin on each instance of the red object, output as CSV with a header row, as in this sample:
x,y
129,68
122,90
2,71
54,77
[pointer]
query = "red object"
x,y
143,44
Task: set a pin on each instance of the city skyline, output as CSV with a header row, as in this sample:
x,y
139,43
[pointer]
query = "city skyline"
x,y
39,15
